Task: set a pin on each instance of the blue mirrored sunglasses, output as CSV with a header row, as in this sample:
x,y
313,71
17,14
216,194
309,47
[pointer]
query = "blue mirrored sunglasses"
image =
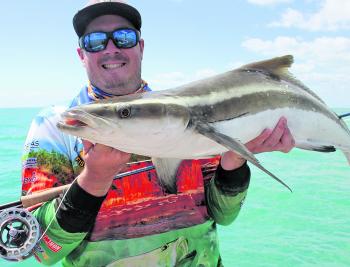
x,y
97,41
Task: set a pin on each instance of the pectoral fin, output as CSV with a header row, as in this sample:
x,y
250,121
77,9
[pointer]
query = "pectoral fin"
x,y
166,170
233,145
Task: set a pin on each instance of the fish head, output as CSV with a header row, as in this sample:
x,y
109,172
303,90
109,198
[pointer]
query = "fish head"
x,y
87,121
131,125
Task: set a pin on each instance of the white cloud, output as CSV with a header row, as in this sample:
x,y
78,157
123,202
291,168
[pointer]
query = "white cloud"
x,y
268,2
324,49
323,64
332,15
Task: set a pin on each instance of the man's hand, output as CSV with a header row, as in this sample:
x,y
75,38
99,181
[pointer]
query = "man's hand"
x,y
102,163
278,139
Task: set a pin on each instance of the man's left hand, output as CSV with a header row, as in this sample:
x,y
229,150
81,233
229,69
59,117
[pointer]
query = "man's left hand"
x,y
278,139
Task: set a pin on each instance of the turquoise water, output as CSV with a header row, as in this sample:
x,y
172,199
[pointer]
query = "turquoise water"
x,y
309,227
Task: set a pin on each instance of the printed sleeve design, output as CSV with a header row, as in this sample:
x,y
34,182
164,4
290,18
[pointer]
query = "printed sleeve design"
x,y
47,159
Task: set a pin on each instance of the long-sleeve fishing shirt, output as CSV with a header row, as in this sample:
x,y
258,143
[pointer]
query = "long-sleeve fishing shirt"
x,y
137,223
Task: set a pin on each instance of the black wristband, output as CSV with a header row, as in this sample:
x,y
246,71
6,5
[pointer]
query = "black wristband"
x,y
78,210
234,181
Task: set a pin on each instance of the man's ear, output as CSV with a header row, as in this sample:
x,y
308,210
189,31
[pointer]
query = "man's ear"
x,y
81,54
142,46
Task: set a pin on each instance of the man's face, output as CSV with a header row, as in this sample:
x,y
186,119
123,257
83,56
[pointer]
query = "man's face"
x,y
114,70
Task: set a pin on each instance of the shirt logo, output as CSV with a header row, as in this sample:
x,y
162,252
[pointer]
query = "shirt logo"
x,y
31,145
30,163
51,245
27,180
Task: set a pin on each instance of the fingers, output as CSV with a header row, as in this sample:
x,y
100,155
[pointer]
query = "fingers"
x,y
98,148
287,141
275,138
258,141
278,139
87,146
281,138
103,149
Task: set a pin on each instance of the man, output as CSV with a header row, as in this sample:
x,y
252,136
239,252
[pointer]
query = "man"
x,y
132,221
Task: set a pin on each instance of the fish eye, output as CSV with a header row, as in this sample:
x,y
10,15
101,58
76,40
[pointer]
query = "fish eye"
x,y
124,112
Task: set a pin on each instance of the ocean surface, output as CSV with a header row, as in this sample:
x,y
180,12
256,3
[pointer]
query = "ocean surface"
x,y
309,227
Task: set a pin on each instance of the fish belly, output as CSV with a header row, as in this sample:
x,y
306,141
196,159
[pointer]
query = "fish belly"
x,y
305,126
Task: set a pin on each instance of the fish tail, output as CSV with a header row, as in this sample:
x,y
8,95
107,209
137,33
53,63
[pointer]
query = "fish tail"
x,y
343,118
347,155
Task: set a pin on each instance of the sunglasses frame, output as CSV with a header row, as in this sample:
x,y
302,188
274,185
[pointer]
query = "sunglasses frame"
x,y
109,37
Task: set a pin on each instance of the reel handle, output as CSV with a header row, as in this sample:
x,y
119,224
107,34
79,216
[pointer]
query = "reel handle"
x,y
43,196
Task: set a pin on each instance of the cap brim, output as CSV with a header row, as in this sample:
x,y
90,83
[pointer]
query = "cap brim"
x,y
87,14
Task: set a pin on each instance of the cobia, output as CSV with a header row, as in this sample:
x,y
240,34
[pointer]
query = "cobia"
x,y
211,116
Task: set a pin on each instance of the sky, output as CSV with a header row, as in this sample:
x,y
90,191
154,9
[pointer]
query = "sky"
x,y
185,40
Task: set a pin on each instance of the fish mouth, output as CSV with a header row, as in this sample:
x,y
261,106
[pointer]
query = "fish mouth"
x,y
76,119
74,123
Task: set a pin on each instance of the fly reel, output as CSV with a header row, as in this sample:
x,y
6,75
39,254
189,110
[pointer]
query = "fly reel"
x,y
19,234
20,230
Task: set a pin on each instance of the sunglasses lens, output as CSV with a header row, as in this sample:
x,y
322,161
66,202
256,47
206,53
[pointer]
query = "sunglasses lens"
x,y
95,41
125,38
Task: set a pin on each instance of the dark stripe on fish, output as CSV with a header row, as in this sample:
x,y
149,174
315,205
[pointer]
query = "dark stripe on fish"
x,y
251,104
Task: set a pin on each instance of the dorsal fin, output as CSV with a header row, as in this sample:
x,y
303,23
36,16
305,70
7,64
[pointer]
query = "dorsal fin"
x,y
278,67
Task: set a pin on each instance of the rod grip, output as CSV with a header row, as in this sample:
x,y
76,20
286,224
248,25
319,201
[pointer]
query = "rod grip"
x,y
43,196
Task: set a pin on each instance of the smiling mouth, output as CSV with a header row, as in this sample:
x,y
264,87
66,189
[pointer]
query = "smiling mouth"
x,y
113,66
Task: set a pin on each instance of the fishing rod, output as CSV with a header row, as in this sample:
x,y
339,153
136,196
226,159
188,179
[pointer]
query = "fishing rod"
x,y
49,194
20,230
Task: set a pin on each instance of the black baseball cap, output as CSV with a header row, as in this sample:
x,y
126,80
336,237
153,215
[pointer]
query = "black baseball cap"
x,y
96,8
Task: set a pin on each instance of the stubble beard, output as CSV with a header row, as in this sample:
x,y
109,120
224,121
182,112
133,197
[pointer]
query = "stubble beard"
x,y
123,87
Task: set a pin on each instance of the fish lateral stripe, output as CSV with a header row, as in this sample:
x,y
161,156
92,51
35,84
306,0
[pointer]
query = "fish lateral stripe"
x,y
227,108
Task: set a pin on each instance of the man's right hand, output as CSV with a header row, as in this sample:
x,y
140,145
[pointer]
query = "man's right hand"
x,y
102,163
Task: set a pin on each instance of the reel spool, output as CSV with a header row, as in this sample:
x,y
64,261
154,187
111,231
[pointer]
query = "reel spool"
x,y
19,234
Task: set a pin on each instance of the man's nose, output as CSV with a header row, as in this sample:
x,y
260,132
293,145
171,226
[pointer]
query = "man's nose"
x,y
111,48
